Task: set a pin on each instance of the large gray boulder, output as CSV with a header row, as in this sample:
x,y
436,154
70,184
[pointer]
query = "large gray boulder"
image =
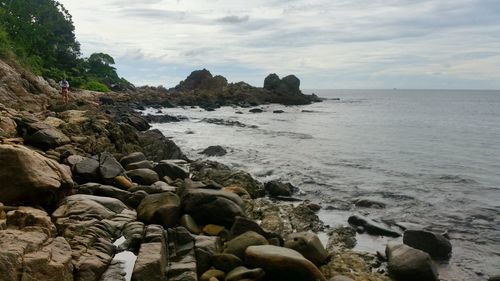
x,y
432,243
409,264
48,138
171,170
143,176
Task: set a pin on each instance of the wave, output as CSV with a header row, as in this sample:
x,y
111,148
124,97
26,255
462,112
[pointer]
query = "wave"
x,y
456,179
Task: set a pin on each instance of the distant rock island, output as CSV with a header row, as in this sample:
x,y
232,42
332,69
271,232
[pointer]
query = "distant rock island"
x,y
203,89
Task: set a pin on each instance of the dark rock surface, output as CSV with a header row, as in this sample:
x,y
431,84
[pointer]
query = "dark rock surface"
x,y
371,226
409,264
434,244
215,150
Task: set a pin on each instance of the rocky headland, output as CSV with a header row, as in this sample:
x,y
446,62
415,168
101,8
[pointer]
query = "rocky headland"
x,y
83,184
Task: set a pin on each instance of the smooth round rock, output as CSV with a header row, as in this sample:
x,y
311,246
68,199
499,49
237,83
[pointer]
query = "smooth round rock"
x,y
242,273
226,262
282,264
238,245
211,273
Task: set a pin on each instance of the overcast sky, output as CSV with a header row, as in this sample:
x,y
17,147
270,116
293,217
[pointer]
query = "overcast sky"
x,y
326,43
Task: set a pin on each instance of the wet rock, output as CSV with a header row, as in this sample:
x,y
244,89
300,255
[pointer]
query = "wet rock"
x,y
214,150
278,111
132,158
143,176
494,278
232,178
369,203
434,244
371,226
211,273
242,225
226,262
48,138
309,245
409,264
171,170
157,147
190,224
243,273
277,188
123,182
212,206
256,110
238,190
164,118
238,245
145,164
160,208
31,178
157,187
303,218
282,263
343,237
139,123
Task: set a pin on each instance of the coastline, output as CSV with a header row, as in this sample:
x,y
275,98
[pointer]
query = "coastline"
x,y
90,199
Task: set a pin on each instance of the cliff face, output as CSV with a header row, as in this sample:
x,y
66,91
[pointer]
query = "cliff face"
x,y
21,90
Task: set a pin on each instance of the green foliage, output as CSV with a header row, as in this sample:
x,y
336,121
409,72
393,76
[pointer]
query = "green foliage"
x,y
95,86
5,44
41,36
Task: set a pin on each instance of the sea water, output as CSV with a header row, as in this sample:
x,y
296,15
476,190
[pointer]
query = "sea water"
x,y
433,156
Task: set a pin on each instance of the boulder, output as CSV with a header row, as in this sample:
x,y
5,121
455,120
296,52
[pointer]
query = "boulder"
x,y
157,147
494,278
144,164
31,218
434,244
409,264
87,170
109,168
369,203
51,263
256,110
132,158
243,273
212,206
214,150
226,177
160,208
226,262
282,263
31,178
190,224
48,138
309,245
151,262
171,170
277,188
371,226
238,245
143,176
291,83
7,127
213,273
139,123
272,81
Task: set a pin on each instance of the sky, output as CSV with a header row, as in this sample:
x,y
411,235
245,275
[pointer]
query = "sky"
x,y
328,44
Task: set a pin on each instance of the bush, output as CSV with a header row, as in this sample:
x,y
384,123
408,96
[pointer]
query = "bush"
x,y
5,44
95,86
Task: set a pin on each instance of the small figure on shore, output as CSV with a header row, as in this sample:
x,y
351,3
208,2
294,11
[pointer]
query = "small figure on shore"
x,y
64,90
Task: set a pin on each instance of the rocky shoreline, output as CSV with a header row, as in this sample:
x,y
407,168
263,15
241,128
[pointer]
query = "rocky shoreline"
x,y
85,182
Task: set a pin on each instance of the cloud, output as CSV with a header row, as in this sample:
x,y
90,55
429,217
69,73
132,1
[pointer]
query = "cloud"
x,y
333,44
234,19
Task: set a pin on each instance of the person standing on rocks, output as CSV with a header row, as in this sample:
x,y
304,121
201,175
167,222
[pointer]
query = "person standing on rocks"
x,y
64,90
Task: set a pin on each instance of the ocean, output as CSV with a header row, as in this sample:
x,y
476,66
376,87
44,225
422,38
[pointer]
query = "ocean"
x,y
433,156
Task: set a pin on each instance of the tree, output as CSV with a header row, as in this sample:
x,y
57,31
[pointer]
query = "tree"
x,y
42,33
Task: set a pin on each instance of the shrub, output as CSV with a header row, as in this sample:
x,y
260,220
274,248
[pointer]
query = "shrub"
x,y
95,86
